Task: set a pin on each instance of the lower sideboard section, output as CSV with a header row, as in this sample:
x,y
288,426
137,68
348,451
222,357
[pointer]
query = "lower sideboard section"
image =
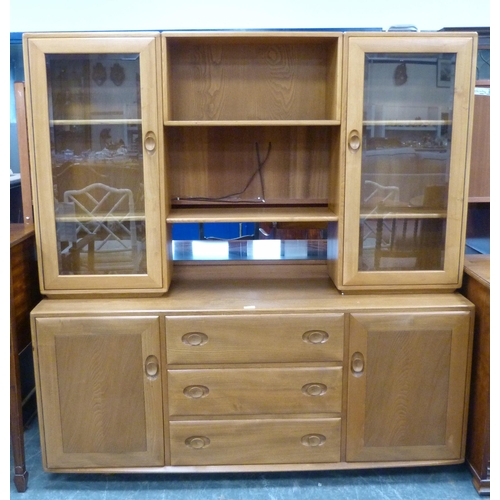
x,y
369,381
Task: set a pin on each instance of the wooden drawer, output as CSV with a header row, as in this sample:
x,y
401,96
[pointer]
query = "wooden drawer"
x,y
252,391
259,338
241,442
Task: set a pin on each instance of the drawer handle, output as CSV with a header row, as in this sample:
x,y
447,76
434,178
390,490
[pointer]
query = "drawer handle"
x,y
197,442
357,363
314,389
313,440
196,391
315,337
194,339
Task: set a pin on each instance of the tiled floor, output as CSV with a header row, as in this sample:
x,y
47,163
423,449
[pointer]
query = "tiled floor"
x,y
426,483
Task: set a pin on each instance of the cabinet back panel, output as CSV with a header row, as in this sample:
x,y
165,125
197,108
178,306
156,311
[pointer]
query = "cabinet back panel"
x,y
251,80
221,164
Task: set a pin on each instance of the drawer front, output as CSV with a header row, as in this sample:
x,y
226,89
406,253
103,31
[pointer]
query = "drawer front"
x,y
255,339
243,442
252,391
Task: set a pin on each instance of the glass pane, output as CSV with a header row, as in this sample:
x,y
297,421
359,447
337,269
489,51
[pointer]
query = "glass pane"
x,y
408,110
97,167
249,241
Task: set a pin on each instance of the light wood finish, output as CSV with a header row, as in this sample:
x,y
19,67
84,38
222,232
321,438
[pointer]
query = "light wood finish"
x,y
253,366
476,288
479,190
260,387
100,391
283,76
255,339
254,391
407,386
147,46
255,442
353,277
214,165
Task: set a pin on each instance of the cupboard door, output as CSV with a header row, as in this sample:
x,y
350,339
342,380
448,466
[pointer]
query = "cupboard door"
x,y
100,391
407,160
96,148
407,387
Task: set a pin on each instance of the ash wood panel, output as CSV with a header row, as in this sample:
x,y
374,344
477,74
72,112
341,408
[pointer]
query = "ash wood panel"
x,y
255,339
259,214
279,80
254,391
409,399
220,164
256,442
98,406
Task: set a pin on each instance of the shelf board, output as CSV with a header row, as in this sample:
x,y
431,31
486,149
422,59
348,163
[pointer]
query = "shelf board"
x,y
246,123
252,214
98,218
402,214
407,123
98,121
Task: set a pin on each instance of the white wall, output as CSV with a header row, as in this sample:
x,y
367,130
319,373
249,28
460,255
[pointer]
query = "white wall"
x,y
102,15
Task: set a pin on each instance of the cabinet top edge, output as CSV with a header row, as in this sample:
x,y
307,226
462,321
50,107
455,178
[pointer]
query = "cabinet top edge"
x,y
411,34
91,34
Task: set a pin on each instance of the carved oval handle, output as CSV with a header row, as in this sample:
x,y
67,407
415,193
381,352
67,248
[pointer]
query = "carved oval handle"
x,y
315,337
357,363
313,440
194,339
354,140
151,366
197,442
196,391
150,142
314,389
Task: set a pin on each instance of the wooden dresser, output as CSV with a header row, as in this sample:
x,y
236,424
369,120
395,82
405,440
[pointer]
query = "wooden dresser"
x,y
476,287
24,295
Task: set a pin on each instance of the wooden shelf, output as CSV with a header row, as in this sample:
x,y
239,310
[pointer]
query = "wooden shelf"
x,y
257,214
260,123
97,121
407,123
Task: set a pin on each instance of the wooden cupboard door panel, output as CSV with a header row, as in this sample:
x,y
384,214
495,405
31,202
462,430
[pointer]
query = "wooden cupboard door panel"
x,y
255,391
99,388
407,386
255,339
223,442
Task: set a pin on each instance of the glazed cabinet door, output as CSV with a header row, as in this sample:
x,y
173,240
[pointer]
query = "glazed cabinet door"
x,y
96,148
99,391
407,159
408,386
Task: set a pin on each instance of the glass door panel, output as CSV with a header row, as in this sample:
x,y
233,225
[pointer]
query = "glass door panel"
x,y
407,133
405,166
97,148
97,164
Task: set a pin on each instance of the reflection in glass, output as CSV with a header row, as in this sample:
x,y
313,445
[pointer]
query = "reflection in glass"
x,y
408,110
97,167
245,241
